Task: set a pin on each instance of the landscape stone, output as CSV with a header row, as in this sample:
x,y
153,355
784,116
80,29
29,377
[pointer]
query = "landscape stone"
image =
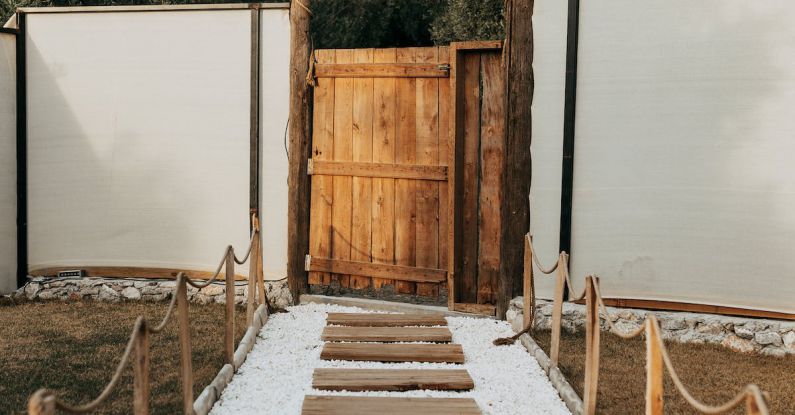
x,y
768,337
131,293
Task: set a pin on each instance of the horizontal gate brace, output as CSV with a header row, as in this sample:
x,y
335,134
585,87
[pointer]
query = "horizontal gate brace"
x,y
384,170
370,269
382,70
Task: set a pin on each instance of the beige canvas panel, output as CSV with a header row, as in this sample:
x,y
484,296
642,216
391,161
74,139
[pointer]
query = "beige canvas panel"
x,y
8,164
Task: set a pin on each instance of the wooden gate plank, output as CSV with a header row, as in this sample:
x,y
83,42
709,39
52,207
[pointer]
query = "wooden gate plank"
x,y
387,334
362,152
470,72
391,379
427,194
343,151
406,153
385,320
369,269
381,70
391,352
383,198
368,405
445,109
492,147
322,186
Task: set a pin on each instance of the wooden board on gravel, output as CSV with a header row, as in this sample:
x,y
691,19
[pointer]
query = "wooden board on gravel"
x,y
384,320
381,352
387,334
361,405
391,379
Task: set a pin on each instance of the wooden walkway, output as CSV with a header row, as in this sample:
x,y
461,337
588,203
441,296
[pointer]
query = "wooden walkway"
x,y
380,332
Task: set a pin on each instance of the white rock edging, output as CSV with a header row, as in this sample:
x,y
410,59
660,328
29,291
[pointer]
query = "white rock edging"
x,y
769,337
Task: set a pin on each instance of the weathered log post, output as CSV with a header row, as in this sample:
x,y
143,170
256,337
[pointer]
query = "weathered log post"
x,y
514,211
299,146
229,334
185,350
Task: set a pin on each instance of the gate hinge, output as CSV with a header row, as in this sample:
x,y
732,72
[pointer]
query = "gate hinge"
x,y
444,67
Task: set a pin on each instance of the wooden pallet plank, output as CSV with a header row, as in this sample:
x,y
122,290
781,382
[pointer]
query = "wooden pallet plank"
x,y
445,106
391,352
470,72
343,151
391,379
384,130
370,269
322,186
406,153
386,334
385,320
381,70
427,193
377,170
492,148
361,405
362,152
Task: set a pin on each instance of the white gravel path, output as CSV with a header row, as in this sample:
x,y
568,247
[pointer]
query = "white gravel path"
x,y
278,372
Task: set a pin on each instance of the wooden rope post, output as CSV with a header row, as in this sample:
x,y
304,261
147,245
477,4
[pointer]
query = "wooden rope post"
x,y
528,291
654,368
41,403
186,364
141,371
557,311
252,279
229,338
260,274
592,331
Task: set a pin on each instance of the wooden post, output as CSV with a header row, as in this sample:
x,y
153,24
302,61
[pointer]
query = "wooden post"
x,y
141,371
751,407
591,346
185,352
41,403
229,337
514,211
253,278
654,368
557,311
529,291
299,145
260,275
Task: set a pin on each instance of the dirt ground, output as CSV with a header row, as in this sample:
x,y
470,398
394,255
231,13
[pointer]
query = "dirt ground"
x,y
712,373
74,347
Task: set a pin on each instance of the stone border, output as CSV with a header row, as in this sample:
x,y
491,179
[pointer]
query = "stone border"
x,y
741,334
128,289
566,392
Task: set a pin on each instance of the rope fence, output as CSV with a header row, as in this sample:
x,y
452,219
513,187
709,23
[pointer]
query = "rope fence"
x,y
658,361
44,402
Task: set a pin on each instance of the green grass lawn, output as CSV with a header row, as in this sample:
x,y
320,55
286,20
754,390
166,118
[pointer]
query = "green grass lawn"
x,y
712,373
74,347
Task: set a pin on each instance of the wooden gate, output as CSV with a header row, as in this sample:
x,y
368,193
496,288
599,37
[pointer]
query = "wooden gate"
x,y
378,212
394,186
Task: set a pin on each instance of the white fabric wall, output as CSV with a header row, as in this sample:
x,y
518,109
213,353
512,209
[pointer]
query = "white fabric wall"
x,y
8,164
684,182
549,66
138,138
274,112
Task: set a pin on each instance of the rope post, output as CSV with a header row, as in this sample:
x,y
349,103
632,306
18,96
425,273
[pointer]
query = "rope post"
x,y
186,365
528,292
141,370
755,403
654,368
260,274
252,279
557,311
592,331
229,338
41,403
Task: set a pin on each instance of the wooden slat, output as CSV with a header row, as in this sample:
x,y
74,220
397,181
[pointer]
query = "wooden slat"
x,y
384,130
478,45
470,72
406,153
484,309
383,170
361,405
455,159
445,106
387,334
492,147
322,193
427,193
390,352
384,320
382,70
343,151
371,269
362,126
391,379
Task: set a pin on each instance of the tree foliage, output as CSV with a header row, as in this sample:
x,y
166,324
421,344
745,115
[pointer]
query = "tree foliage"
x,y
469,20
